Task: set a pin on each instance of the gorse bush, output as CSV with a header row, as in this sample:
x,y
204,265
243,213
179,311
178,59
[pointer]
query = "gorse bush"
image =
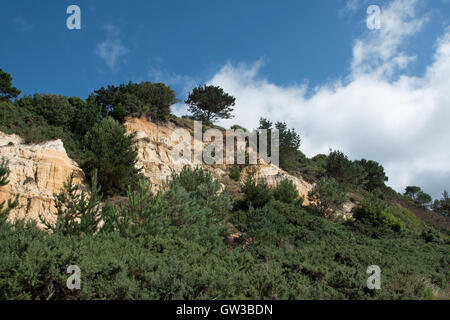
x,y
187,239
376,212
175,244
408,219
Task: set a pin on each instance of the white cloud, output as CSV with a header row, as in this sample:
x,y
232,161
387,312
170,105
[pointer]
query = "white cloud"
x,y
160,74
112,49
378,51
399,121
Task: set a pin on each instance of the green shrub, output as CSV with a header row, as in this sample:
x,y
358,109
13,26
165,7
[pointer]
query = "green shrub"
x,y
78,211
235,174
409,219
431,235
190,206
255,194
375,211
111,152
327,196
286,191
191,179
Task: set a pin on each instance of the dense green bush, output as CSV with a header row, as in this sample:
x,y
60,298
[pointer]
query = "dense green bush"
x,y
409,219
327,196
256,194
431,235
174,244
190,206
286,191
235,174
375,211
111,152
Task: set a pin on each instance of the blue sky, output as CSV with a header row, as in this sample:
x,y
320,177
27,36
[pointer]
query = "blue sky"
x,y
326,73
190,40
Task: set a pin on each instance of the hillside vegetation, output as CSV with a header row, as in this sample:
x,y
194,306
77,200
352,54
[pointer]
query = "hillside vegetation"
x,y
188,240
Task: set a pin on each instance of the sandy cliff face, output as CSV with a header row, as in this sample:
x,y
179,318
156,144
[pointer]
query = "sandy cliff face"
x,y
37,172
155,147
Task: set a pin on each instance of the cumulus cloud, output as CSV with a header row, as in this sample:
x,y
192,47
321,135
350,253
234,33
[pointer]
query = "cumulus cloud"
x,y
112,49
375,113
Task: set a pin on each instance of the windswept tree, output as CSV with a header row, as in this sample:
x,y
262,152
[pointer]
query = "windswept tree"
x,y
209,103
7,91
418,196
412,191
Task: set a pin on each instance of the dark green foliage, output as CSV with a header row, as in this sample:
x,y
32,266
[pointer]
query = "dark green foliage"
x,y
174,244
209,103
423,199
327,196
4,173
310,169
360,174
111,152
286,192
431,235
442,206
55,109
7,91
87,114
375,211
191,179
408,219
289,143
78,212
34,128
376,177
412,191
145,98
235,174
190,206
418,196
338,166
256,194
